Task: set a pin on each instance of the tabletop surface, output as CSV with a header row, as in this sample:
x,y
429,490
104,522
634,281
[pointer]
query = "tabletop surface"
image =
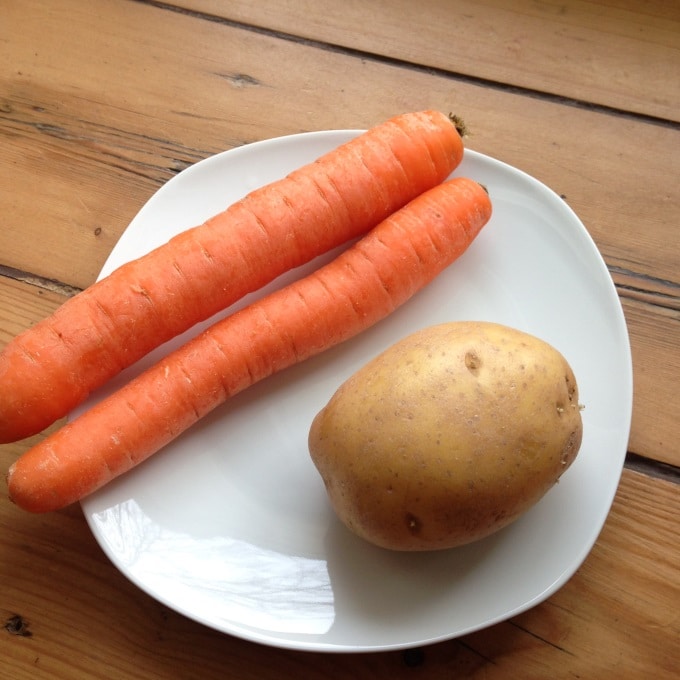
x,y
102,103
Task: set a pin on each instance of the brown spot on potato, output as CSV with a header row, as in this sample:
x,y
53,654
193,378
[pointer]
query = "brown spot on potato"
x,y
472,362
413,524
572,446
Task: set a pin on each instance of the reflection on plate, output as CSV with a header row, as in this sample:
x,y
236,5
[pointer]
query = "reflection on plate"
x,y
230,525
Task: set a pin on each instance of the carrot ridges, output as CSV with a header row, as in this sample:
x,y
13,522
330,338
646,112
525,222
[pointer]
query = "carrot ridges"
x,y
207,268
361,286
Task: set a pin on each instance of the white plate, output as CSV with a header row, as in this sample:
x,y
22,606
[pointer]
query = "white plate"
x,y
230,524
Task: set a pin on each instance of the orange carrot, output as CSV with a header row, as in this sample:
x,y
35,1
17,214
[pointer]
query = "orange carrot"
x,y
49,369
362,285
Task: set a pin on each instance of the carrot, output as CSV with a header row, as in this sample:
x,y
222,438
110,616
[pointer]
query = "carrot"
x,y
364,284
49,369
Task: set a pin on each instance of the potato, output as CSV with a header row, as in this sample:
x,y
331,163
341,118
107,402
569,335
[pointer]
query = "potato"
x,y
447,436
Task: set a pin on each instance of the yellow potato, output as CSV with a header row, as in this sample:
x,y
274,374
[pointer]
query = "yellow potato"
x,y
447,436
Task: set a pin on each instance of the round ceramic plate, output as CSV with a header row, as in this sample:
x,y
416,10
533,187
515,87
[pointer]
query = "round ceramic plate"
x,y
230,524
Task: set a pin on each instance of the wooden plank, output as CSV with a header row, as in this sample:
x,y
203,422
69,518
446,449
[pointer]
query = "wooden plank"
x,y
616,53
84,155
655,339
618,611
22,305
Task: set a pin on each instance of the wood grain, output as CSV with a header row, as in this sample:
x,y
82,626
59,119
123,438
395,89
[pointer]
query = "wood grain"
x,y
102,103
98,146
615,53
655,338
23,304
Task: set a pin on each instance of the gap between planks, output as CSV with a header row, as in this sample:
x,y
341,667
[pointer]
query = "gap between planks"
x,y
659,293
38,281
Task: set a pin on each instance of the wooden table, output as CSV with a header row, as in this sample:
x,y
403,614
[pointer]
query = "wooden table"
x,y
103,102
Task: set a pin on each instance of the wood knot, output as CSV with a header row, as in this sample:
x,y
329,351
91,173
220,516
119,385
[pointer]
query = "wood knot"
x,y
17,625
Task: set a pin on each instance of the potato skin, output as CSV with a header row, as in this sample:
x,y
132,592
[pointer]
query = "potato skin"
x,y
447,436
